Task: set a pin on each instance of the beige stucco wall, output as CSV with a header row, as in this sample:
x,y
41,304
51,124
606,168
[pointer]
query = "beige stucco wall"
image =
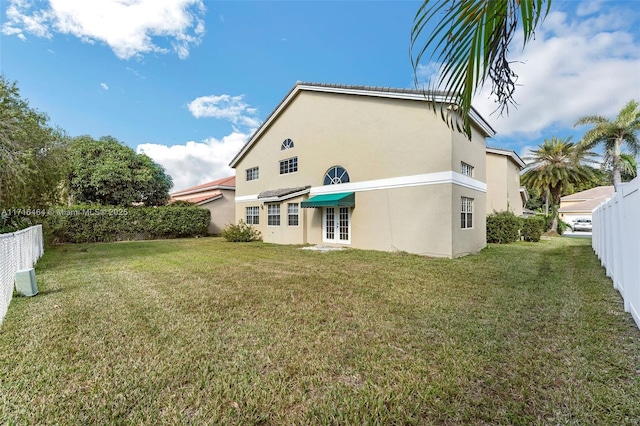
x,y
409,138
466,241
503,184
223,210
423,220
372,138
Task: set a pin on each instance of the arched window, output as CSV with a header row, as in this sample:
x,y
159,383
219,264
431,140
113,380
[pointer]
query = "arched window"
x,y
287,144
335,175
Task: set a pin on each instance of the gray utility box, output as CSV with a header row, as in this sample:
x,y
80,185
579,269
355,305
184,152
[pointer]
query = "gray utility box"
x,y
26,282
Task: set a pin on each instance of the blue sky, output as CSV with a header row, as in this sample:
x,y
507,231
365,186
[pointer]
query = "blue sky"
x,y
187,81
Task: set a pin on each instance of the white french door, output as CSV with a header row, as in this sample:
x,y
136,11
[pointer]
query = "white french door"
x,y
336,225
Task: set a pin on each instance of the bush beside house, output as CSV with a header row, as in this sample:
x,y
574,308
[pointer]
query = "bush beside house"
x,y
241,233
505,227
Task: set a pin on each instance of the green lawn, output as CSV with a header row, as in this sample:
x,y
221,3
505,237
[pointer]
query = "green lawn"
x,y
207,332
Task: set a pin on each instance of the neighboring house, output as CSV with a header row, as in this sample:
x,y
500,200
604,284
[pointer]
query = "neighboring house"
x,y
581,204
364,167
217,196
503,182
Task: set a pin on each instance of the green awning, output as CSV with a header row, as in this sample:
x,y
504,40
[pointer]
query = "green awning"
x,y
343,199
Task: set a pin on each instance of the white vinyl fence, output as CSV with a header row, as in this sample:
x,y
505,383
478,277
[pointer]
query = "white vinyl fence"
x,y
616,241
18,250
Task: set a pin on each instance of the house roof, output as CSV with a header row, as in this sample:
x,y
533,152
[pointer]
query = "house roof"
x,y
597,192
282,192
224,183
373,91
583,207
509,153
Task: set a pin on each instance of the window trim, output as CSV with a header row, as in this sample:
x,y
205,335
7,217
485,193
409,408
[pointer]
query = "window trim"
x,y
287,144
466,215
295,215
274,216
252,170
255,215
288,164
468,166
327,175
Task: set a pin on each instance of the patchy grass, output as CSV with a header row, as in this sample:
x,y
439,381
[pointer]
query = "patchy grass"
x,y
204,332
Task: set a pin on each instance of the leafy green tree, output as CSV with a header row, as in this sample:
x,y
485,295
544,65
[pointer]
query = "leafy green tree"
x,y
109,173
554,165
469,40
613,135
32,153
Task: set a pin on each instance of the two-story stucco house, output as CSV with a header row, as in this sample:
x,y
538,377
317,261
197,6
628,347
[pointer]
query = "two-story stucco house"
x,y
364,167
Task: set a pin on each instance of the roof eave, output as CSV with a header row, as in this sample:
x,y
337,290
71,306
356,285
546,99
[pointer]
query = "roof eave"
x,y
207,188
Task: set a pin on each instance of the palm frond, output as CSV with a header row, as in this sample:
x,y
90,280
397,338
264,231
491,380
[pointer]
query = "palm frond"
x,y
470,40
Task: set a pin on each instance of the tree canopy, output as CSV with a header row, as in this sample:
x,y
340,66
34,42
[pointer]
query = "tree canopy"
x,y
469,40
613,135
32,152
554,165
107,172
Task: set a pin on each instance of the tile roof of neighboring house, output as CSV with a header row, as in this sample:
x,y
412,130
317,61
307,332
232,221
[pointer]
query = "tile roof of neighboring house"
x,y
375,91
224,183
583,207
202,199
589,194
509,153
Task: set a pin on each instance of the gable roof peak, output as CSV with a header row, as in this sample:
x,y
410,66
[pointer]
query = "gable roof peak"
x,y
374,91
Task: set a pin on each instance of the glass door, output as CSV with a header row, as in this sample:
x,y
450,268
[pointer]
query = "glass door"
x,y
336,225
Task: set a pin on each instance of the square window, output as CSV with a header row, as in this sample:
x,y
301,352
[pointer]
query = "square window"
x,y
252,174
466,169
290,165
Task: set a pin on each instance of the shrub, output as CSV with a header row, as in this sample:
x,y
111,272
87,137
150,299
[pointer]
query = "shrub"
x,y
241,232
562,226
532,228
502,227
12,223
91,223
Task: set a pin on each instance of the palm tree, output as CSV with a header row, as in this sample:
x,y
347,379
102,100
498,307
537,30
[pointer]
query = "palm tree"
x,y
613,134
470,42
554,165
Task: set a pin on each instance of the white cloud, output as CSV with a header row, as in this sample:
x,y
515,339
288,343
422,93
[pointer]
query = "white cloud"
x,y
573,68
231,108
195,163
104,86
126,26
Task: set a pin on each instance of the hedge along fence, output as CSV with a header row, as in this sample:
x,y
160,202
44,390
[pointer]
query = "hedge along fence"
x,y
83,224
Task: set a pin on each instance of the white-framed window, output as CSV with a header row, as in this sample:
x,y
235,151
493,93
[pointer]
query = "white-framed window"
x,y
466,169
287,144
290,165
466,213
253,215
273,214
336,175
252,174
293,214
